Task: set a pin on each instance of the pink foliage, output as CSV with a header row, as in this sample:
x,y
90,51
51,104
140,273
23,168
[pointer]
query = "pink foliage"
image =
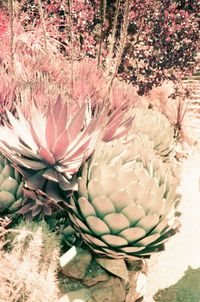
x,y
4,22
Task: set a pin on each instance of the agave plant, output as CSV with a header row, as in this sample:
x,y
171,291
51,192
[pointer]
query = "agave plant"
x,y
50,145
157,127
126,201
11,188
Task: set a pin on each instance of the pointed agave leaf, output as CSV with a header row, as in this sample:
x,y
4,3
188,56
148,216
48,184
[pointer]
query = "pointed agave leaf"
x,y
47,210
77,123
27,138
116,130
122,131
57,109
21,127
35,211
13,121
76,145
30,164
53,191
63,182
116,267
29,194
37,125
23,150
25,209
61,145
118,112
50,174
47,156
79,152
35,181
61,120
50,132
109,133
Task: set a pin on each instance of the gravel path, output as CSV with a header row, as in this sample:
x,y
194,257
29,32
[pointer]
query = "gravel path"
x,y
174,274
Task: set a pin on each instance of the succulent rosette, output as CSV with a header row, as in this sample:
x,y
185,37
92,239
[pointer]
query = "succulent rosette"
x,y
50,145
126,201
157,127
11,188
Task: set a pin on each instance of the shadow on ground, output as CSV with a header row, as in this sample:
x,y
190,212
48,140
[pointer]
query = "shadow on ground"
x,y
187,289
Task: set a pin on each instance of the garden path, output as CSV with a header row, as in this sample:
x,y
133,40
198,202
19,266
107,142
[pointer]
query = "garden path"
x,y
174,275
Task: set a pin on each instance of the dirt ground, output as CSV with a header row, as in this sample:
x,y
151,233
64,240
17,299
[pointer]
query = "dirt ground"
x,y
174,274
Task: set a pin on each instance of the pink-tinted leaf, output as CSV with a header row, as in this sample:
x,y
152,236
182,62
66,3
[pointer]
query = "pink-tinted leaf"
x,y
47,210
65,184
29,194
77,123
61,145
36,211
25,209
119,135
47,156
116,113
78,152
30,164
50,174
61,120
53,191
57,107
36,181
38,124
50,132
109,133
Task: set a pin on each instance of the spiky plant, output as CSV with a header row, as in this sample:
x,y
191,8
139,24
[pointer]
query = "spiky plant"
x,y
126,201
28,270
50,145
157,127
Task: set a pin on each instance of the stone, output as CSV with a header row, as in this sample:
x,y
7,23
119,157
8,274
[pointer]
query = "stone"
x,y
95,274
99,285
78,266
109,291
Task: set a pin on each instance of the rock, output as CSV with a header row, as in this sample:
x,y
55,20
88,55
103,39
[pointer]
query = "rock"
x,y
94,283
78,266
95,274
109,291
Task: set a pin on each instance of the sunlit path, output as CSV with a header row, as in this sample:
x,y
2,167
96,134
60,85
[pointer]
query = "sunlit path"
x,y
183,250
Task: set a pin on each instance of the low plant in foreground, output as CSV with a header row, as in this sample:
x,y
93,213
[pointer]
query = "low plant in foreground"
x,y
28,268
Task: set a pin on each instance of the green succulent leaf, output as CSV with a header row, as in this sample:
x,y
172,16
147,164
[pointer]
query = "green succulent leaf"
x,y
10,185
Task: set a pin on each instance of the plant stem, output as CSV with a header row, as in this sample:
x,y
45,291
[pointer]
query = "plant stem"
x,y
71,46
122,42
41,13
11,13
103,16
113,35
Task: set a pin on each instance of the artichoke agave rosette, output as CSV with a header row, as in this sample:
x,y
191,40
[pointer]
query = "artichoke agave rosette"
x,y
126,201
157,127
